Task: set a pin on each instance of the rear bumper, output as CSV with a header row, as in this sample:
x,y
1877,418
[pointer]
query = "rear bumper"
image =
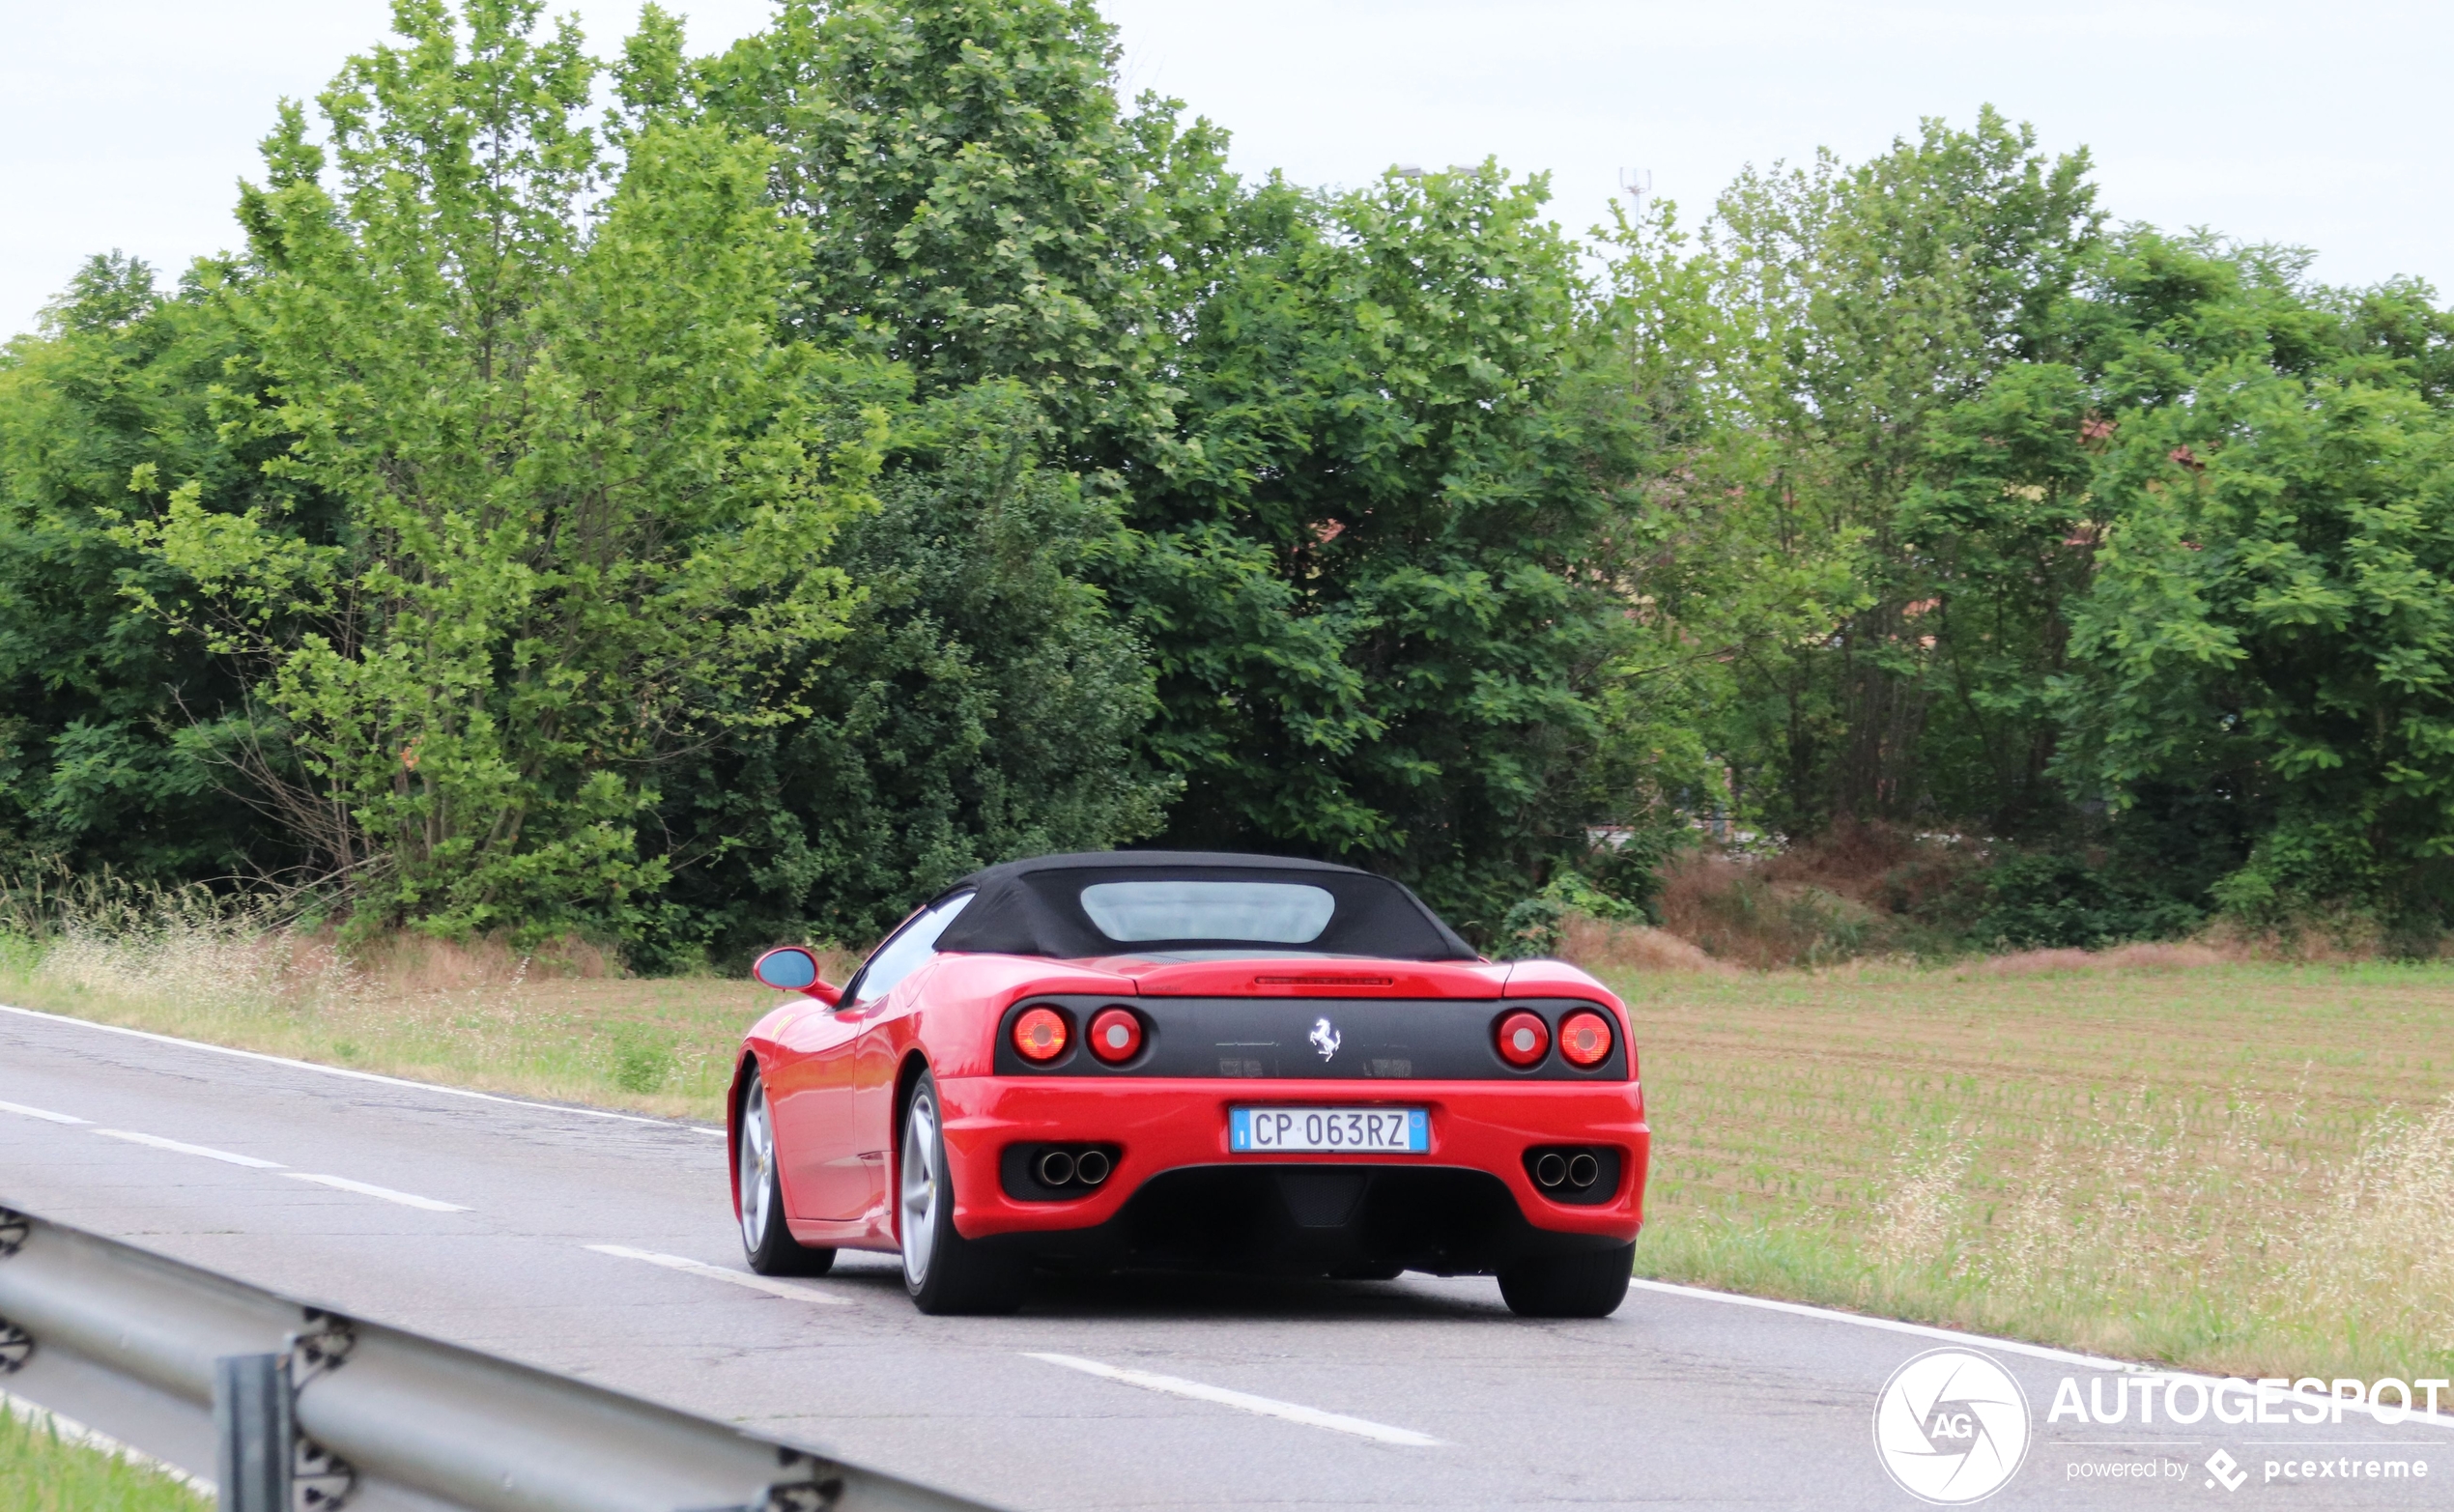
x,y
1180,1195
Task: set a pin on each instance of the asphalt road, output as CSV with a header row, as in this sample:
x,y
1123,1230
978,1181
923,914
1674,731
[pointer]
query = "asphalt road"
x,y
473,1219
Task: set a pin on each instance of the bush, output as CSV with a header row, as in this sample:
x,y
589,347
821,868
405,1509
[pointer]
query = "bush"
x,y
2054,899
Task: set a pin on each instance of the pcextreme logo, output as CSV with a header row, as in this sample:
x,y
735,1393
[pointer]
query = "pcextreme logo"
x,y
1950,1427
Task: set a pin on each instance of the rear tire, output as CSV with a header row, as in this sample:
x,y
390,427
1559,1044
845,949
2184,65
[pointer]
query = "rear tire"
x,y
765,1238
944,1271
1569,1286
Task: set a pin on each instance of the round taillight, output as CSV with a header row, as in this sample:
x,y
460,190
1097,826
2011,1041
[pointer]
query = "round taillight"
x,y
1524,1038
1585,1038
1116,1034
1039,1034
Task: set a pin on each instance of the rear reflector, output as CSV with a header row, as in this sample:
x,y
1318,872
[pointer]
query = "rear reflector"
x,y
1039,1035
1585,1038
1524,1039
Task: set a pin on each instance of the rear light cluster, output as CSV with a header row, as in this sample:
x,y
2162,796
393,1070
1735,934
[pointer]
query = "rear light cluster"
x,y
1524,1039
1043,1035
1585,1038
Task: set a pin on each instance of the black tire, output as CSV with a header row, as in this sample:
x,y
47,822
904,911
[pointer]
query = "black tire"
x,y
944,1273
1569,1286
765,1238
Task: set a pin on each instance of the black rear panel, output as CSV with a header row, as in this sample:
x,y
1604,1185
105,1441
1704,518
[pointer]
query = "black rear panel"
x,y
1285,1039
1312,1220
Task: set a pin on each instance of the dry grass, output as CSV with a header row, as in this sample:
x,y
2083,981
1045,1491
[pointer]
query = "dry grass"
x,y
1602,945
555,1025
2231,1167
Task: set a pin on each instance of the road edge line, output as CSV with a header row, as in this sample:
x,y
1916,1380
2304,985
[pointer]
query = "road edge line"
x,y
1972,1340
356,1075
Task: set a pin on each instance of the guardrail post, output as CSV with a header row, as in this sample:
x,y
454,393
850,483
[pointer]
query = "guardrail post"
x,y
255,1430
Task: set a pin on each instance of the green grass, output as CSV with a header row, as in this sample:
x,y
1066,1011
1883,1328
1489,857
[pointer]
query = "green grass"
x,y
41,1473
2244,1168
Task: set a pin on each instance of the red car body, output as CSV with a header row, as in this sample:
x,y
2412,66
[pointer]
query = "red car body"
x,y
839,1076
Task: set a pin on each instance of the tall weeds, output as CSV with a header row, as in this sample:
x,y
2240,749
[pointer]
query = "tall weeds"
x,y
251,971
2201,1234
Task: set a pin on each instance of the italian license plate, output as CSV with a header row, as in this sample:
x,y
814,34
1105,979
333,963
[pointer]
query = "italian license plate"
x,y
1378,1130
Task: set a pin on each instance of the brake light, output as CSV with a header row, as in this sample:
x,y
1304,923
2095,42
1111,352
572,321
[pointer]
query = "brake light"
x,y
1039,1035
1116,1034
1585,1038
1524,1039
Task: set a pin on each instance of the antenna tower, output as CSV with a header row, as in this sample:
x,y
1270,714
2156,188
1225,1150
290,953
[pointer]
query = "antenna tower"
x,y
1635,183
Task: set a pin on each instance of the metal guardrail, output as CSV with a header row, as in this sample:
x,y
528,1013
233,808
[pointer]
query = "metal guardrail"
x,y
303,1407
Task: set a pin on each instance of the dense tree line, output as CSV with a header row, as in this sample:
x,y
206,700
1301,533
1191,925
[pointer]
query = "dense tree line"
x,y
692,500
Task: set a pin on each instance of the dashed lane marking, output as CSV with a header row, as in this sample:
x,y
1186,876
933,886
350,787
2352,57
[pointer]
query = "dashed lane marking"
x,y
742,1279
370,1189
45,1114
1243,1401
206,1151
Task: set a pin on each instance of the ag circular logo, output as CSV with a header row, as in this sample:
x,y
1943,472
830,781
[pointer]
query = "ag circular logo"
x,y
1950,1427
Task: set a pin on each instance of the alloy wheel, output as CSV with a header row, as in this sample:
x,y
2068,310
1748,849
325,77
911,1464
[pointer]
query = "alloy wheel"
x,y
919,1187
757,1167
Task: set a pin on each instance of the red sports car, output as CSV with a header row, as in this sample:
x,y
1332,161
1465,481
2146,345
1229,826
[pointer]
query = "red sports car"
x,y
1191,1060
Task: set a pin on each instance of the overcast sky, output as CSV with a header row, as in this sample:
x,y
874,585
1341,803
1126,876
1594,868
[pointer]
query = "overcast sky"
x,y
126,122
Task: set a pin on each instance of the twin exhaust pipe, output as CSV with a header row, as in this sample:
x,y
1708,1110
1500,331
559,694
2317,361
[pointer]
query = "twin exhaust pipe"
x,y
1068,1168
1553,1170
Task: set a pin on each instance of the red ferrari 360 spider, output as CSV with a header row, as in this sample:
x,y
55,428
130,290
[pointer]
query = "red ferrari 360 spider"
x,y
1207,1061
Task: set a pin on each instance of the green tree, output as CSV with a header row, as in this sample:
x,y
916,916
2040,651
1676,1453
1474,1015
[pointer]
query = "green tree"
x,y
2272,619
106,756
584,487
981,214
1364,576
1858,314
983,703
980,205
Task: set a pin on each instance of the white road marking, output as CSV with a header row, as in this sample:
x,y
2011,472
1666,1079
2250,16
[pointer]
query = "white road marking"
x,y
206,1151
1980,1341
1309,1417
1894,1326
42,1113
42,1419
756,1283
339,1070
369,1189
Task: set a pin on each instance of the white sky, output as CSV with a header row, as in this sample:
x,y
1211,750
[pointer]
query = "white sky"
x,y
126,122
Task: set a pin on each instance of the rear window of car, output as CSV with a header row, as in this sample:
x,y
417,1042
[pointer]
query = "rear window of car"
x,y
1265,913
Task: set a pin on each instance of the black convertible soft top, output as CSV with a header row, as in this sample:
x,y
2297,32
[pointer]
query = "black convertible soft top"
x,y
1035,907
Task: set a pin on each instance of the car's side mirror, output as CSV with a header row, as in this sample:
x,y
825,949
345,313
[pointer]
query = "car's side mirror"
x,y
788,968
